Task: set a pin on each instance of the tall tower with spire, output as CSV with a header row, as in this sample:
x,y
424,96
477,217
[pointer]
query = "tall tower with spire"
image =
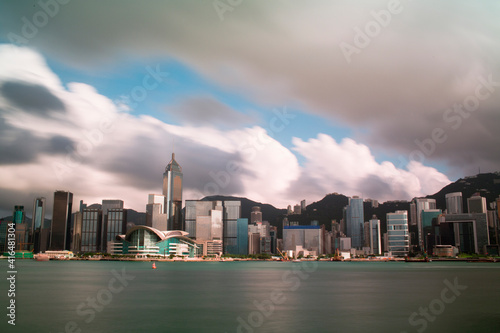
x,y
172,190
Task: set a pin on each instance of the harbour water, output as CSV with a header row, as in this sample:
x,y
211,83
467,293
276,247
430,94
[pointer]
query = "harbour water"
x,y
80,296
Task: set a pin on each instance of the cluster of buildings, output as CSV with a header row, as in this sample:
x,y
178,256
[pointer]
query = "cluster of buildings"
x,y
213,228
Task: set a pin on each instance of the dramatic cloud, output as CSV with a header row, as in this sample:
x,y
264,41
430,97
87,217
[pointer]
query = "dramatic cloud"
x,y
33,98
350,168
203,110
418,84
97,152
412,62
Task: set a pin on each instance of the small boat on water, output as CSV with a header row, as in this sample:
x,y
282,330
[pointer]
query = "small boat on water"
x,y
154,266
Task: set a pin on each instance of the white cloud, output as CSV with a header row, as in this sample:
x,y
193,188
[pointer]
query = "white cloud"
x,y
350,168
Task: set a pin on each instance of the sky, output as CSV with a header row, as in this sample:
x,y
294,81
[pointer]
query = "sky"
x,y
276,101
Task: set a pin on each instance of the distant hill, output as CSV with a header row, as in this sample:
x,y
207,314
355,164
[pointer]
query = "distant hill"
x,y
486,184
269,212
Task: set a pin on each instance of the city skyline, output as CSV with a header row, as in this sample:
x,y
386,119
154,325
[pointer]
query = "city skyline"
x,y
255,107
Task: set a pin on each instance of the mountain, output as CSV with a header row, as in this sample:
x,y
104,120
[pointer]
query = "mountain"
x,y
269,212
486,184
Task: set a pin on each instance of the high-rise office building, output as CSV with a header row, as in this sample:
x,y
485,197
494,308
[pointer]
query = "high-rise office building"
x,y
232,212
204,220
91,223
256,215
303,237
106,206
116,224
172,190
214,221
37,223
60,232
375,237
397,233
22,230
476,204
428,216
355,221
155,212
303,205
454,203
421,204
240,245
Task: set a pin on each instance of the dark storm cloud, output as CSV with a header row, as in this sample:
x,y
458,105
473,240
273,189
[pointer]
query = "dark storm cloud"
x,y
288,53
206,110
19,146
31,98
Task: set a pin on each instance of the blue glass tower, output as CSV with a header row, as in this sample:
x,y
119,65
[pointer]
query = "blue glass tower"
x,y
355,222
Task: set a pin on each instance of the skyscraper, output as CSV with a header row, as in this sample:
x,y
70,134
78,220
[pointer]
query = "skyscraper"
x,y
476,204
355,221
397,233
454,203
375,239
60,233
91,224
37,223
172,190
108,205
256,215
155,212
420,205
22,230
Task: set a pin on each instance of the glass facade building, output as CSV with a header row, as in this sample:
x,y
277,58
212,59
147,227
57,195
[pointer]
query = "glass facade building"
x,y
355,221
172,190
214,221
37,223
397,233
421,204
375,238
91,230
232,212
454,203
60,232
476,204
144,240
116,224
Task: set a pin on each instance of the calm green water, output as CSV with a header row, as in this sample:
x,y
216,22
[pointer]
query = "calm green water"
x,y
226,297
